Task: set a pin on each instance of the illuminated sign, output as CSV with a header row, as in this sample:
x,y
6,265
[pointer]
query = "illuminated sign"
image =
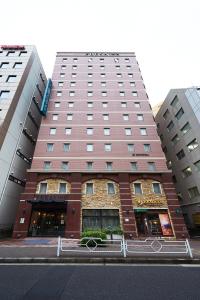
x,y
45,99
102,54
12,47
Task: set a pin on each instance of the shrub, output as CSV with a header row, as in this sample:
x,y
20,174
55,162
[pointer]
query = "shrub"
x,y
97,234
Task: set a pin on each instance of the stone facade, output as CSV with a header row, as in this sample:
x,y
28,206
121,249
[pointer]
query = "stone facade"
x,y
53,186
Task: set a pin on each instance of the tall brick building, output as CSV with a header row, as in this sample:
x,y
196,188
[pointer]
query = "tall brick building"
x,y
98,161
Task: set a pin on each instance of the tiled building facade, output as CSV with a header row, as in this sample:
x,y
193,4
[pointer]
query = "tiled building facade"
x,y
98,162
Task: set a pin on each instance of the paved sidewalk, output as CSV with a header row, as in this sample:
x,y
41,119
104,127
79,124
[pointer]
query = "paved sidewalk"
x,y
44,250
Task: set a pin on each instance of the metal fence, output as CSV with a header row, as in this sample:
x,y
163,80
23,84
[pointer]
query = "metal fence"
x,y
149,246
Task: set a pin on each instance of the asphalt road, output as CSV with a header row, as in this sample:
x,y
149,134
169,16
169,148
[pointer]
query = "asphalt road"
x,y
69,282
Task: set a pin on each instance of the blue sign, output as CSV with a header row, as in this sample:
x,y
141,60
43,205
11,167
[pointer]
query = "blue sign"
x,y
45,99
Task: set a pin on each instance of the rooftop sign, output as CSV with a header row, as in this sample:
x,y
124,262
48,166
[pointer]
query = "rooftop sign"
x,y
12,47
102,54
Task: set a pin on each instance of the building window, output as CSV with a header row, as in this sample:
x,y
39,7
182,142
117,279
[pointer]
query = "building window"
x,y
59,94
106,117
103,75
90,83
106,131
137,104
103,94
47,165
89,165
103,83
147,148
57,104
130,75
187,172
125,117
185,128
122,94
90,67
127,59
90,147
68,131
110,188
123,104
71,93
164,149
119,75
170,126
143,131
137,188
130,147
63,67
109,165
74,67
175,139
156,188
192,145
75,59
180,154
72,83
128,131
69,117
60,83
90,104
55,117
4,65
62,188
52,131
70,104
90,59
11,78
90,74
17,65
179,114
134,166
89,188
174,101
105,104
62,75
64,58
74,75
120,83
102,67
117,67
4,94
132,83
116,59
89,117
128,67
64,165
151,166
193,192
166,114
89,131
169,164
66,147
134,94
43,188
50,147
90,94
140,117
107,147
197,165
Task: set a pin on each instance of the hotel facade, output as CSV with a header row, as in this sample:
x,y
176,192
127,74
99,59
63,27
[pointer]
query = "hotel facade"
x,y
98,162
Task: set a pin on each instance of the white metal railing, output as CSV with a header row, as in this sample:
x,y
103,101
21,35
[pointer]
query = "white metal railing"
x,y
124,247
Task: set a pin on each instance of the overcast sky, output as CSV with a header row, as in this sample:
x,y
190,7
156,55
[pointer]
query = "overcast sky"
x,y
164,34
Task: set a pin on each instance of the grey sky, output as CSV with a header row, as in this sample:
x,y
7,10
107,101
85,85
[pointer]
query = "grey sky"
x,y
163,33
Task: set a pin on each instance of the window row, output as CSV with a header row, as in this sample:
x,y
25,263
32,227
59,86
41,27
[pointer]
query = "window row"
x,y
103,93
107,147
101,59
16,65
186,172
151,166
90,83
106,131
14,53
125,117
74,75
90,67
178,115
10,78
104,104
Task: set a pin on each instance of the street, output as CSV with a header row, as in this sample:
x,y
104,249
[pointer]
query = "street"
x,y
88,282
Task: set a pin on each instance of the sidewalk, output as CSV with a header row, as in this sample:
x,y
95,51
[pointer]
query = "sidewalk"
x,y
43,250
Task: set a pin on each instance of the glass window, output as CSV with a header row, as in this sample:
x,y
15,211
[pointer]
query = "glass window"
x,y
187,172
134,94
193,192
138,188
106,131
102,67
62,188
55,117
47,165
50,147
103,74
68,131
71,93
105,104
151,166
119,75
143,131
170,126
62,75
130,147
52,131
90,147
107,147
156,188
147,148
43,188
179,114
132,83
66,147
166,114
90,83
70,104
103,83
140,117
120,83
185,128
63,67
109,165
197,165
174,101
64,165
74,67
90,104
117,67
60,83
72,83
175,139
134,166
123,104
89,131
125,117
130,75
128,131
17,65
4,65
89,165
90,117
57,104
110,188
11,78
89,188
180,154
122,94
4,94
104,94
69,117
137,104
59,94
106,117
74,75
90,93
192,145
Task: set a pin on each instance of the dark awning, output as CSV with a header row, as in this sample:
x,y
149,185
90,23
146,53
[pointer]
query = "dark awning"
x,y
57,198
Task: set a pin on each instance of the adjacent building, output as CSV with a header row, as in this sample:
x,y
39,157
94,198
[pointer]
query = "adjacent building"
x,y
22,85
178,122
98,162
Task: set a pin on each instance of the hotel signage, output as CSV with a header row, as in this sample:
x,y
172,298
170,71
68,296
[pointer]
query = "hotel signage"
x,y
102,54
12,47
45,99
150,202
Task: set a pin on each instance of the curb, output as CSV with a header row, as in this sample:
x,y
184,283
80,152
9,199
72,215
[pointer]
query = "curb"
x,y
72,260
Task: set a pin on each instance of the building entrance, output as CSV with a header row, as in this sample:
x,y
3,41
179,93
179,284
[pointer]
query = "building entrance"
x,y
47,221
